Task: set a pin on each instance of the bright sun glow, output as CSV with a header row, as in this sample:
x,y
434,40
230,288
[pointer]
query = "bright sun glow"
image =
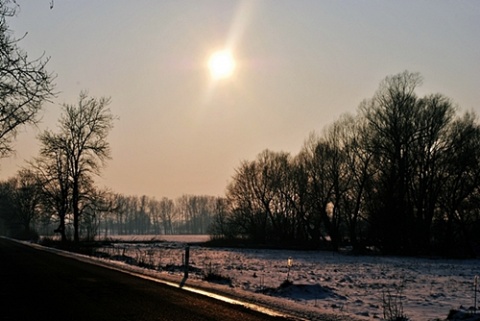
x,y
221,64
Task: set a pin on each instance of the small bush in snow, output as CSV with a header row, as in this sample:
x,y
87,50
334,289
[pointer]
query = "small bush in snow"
x,y
211,274
217,278
393,307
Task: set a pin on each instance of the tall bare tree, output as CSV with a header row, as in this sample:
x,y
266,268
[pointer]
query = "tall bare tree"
x,y
392,115
83,141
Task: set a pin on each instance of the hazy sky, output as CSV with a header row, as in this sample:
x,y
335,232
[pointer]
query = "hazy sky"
x,y
299,66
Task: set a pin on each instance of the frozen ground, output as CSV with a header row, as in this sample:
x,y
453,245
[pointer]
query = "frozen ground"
x,y
323,282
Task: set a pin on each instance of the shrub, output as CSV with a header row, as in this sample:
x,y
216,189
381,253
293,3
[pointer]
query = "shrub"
x,y
393,307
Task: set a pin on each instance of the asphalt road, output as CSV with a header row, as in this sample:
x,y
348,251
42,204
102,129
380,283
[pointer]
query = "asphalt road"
x,y
38,285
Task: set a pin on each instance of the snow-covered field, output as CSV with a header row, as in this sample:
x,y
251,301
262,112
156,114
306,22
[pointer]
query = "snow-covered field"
x,y
323,282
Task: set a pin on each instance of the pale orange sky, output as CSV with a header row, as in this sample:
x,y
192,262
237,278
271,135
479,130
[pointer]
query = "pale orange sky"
x,y
299,66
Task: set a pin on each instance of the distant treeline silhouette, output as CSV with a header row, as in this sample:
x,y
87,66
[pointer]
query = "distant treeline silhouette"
x,y
106,215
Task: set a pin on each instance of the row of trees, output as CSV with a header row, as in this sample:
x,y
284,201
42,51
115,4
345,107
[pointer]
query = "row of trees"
x,y
133,215
28,206
402,175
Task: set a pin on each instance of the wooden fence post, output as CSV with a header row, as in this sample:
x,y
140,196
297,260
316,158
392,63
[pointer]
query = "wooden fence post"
x,y
187,259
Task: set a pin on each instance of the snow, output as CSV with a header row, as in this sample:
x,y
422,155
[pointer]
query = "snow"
x,y
320,283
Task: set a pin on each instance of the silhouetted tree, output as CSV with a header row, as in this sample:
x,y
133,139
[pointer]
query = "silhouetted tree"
x,y
360,173
248,219
24,84
220,229
322,161
263,200
82,143
51,168
428,153
461,184
392,115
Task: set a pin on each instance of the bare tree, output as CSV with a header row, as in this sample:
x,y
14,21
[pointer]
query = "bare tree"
x,y
461,184
392,115
321,161
24,84
423,159
360,173
51,169
219,229
248,219
82,140
262,200
429,149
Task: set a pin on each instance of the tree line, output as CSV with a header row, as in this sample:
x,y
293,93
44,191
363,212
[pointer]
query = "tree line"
x,y
401,176
27,212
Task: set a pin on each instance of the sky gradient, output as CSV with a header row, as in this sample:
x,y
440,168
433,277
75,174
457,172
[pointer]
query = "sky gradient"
x,y
299,66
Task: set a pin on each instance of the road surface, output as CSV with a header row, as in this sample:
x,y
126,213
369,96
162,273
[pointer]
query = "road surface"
x,y
38,285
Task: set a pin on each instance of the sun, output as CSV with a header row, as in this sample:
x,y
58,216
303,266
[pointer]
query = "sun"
x,y
221,64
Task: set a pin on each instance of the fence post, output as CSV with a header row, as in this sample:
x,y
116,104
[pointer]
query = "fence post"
x,y
289,266
187,259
